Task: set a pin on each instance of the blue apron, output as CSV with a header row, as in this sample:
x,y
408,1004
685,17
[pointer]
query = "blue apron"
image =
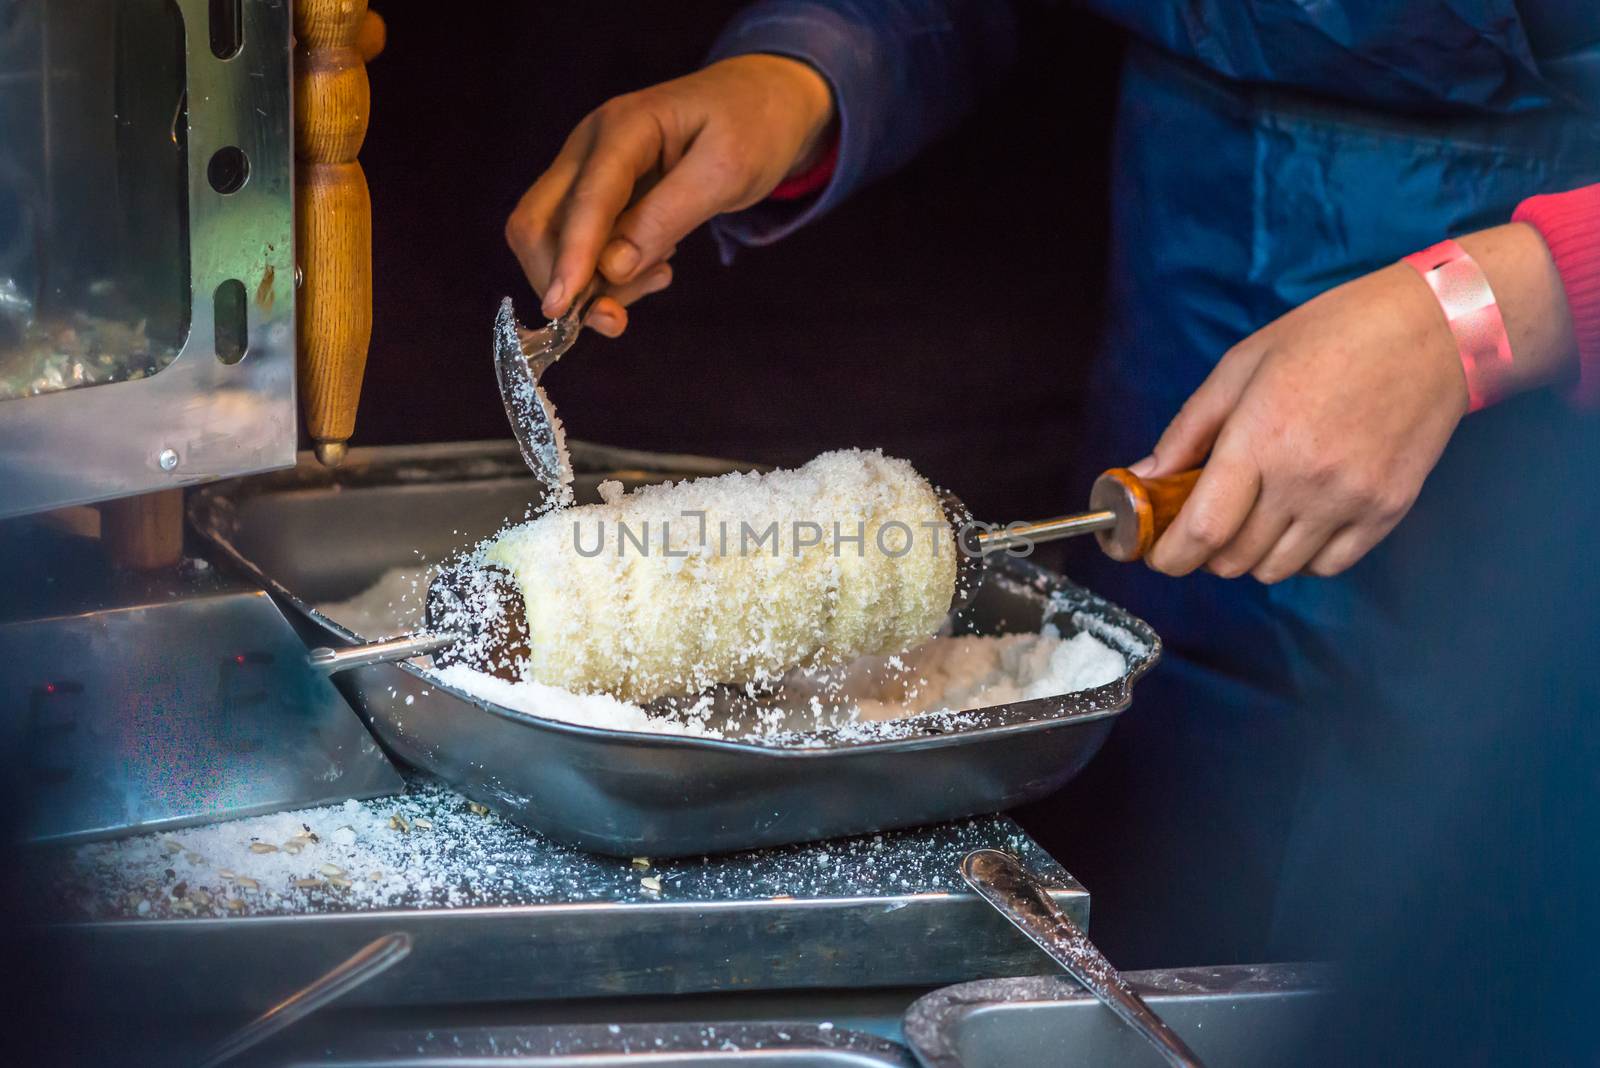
x,y
1264,153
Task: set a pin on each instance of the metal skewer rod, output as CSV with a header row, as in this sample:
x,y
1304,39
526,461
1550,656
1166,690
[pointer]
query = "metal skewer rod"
x,y
1130,513
331,661
1066,526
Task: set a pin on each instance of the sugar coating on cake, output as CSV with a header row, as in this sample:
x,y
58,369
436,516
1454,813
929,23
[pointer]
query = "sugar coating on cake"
x,y
673,588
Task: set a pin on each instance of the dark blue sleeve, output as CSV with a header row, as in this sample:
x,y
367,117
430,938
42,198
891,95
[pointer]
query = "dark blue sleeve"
x,y
902,73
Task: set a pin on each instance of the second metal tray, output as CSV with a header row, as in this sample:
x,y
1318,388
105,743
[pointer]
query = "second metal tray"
x,y
733,1045
313,537
1243,1016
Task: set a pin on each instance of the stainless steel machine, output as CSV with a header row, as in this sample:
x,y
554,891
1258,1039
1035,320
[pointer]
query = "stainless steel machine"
x,y
148,295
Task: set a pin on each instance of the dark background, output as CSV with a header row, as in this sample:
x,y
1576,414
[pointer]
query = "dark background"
x,y
946,315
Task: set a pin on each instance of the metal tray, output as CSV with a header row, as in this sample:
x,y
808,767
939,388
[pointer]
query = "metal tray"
x,y
313,536
498,914
1246,1016
733,1045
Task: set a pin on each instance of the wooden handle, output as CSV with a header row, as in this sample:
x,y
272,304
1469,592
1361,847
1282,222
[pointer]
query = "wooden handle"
x,y
333,217
1144,507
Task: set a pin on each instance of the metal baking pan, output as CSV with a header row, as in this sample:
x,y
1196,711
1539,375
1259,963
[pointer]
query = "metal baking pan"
x,y
313,537
1246,1016
732,1045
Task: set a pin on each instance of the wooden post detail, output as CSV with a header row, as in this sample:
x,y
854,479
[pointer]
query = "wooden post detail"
x,y
333,216
144,533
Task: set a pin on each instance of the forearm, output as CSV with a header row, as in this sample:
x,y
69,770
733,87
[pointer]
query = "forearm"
x,y
900,72
811,88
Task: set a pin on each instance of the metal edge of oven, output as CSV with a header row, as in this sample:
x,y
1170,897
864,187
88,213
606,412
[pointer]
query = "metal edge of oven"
x,y
198,418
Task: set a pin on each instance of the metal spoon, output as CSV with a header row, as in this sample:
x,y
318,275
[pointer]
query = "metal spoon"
x,y
372,960
520,357
1002,881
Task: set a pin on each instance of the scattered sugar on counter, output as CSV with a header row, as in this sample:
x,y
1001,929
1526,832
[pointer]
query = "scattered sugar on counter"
x,y
430,848
433,848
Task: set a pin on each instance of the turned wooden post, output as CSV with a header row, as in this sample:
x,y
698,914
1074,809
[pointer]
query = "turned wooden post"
x,y
144,533
333,214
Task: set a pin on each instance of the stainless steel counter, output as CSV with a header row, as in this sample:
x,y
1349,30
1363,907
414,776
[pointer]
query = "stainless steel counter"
x,y
501,914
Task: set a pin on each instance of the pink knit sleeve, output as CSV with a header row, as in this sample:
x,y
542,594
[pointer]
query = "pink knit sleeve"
x,y
813,178
1570,225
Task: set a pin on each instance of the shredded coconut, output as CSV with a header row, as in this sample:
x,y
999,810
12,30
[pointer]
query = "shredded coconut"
x,y
584,709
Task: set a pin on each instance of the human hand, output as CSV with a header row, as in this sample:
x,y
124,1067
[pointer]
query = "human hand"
x,y
646,168
1322,426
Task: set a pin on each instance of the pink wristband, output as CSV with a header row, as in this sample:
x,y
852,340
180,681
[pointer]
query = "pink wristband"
x,y
1474,317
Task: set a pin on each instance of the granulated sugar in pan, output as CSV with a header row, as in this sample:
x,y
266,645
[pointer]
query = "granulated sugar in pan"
x,y
389,607
585,709
872,698
943,676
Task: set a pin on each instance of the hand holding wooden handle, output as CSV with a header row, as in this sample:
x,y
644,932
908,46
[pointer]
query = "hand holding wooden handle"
x,y
333,216
1144,507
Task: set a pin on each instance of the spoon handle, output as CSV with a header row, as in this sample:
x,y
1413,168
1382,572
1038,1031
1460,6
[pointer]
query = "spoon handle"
x,y
1013,891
